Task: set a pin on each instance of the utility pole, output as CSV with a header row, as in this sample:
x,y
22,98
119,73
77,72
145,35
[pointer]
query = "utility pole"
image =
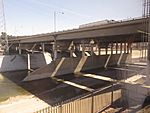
x,y
55,40
4,37
55,19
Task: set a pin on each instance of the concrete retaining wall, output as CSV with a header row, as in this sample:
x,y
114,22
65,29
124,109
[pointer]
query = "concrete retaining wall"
x,y
20,62
13,62
73,65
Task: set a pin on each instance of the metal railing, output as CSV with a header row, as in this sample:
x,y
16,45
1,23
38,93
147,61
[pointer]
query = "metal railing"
x,y
91,103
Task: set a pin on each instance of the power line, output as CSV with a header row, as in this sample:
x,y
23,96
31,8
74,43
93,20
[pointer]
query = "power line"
x,y
61,8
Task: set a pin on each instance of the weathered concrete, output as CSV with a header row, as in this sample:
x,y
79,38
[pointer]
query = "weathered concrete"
x,y
19,62
135,94
123,28
73,65
13,62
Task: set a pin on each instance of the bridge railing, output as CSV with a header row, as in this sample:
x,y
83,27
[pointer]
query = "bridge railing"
x,y
91,103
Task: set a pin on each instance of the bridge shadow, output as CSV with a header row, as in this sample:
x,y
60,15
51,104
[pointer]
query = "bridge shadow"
x,y
47,90
53,92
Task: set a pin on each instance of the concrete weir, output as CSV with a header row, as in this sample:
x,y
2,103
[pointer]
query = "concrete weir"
x,y
23,62
74,65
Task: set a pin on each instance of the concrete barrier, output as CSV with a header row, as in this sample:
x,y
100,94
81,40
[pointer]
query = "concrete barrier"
x,y
13,62
20,62
72,65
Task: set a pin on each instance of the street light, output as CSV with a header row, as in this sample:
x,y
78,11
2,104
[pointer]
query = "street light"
x,y
55,14
55,42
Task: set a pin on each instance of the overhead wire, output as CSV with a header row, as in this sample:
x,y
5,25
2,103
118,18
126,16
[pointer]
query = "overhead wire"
x,y
54,7
43,8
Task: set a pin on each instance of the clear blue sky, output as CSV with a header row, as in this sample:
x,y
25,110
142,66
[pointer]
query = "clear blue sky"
x,y
25,17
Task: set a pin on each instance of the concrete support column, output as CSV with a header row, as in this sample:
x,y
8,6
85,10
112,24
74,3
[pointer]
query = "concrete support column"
x,y
92,51
92,47
43,47
106,48
112,48
125,47
83,49
121,47
116,47
71,51
19,48
55,49
28,62
128,47
71,48
77,47
99,49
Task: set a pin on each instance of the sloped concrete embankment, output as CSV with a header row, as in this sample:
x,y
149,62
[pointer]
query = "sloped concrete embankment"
x,y
74,65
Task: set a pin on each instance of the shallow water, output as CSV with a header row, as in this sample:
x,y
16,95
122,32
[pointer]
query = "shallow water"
x,y
48,90
10,89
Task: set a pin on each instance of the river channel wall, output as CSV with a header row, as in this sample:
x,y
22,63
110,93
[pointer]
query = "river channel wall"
x,y
20,62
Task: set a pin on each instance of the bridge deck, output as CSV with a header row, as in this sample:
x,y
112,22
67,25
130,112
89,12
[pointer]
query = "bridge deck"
x,y
123,28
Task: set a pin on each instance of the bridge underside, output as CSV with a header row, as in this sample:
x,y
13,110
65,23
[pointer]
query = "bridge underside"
x,y
63,45
82,49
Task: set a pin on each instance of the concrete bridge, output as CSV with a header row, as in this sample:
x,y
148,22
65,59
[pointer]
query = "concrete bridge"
x,y
115,31
123,32
81,49
78,50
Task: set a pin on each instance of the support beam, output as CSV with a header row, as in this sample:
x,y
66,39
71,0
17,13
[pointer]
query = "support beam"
x,y
99,50
71,53
99,77
71,48
106,48
55,49
122,69
137,66
43,47
92,47
28,62
83,49
92,51
33,47
112,48
74,84
77,47
128,47
121,47
125,47
19,48
130,80
116,47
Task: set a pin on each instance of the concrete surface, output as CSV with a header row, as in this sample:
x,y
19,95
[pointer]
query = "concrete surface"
x,y
19,62
74,65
